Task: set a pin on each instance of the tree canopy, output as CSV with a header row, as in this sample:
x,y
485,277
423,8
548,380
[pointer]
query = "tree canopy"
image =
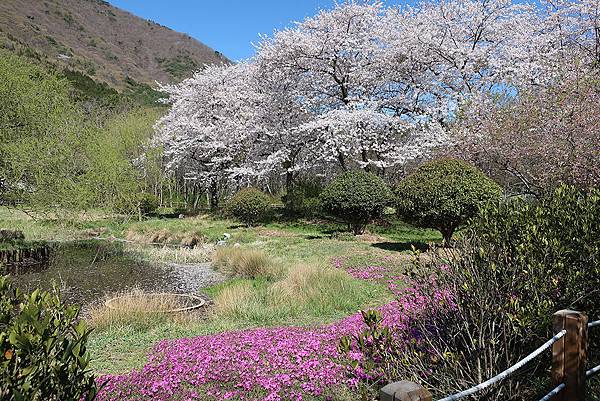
x,y
367,86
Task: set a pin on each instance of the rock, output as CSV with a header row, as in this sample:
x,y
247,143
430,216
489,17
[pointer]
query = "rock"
x,y
236,245
192,277
226,236
221,243
181,216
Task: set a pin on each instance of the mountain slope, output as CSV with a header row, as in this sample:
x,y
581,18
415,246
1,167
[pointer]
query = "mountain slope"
x,y
104,42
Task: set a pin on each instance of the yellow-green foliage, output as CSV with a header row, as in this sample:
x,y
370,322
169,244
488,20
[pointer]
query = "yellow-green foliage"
x,y
39,127
54,154
112,179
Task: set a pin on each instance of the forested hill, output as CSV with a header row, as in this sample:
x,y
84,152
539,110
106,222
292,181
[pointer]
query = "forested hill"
x,y
101,41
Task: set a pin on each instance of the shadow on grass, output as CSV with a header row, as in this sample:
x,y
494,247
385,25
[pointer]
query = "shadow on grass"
x,y
402,246
236,226
316,236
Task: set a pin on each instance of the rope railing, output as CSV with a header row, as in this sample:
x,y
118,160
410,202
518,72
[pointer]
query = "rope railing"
x,y
501,376
592,372
554,391
569,358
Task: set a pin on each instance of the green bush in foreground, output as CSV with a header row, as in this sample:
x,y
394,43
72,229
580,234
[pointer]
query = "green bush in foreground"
x,y
250,206
444,194
356,197
43,354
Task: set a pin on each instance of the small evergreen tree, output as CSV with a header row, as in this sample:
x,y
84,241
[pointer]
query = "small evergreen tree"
x,y
249,205
356,197
443,194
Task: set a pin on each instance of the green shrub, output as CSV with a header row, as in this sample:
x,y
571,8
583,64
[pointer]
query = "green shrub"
x,y
43,354
444,194
515,265
310,208
356,197
250,206
301,206
303,199
148,203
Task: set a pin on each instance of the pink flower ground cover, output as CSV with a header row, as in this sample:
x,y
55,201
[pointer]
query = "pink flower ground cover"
x,y
283,363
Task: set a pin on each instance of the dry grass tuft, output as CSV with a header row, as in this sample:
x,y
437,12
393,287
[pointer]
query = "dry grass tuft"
x,y
304,290
245,263
307,283
137,309
165,237
200,254
235,300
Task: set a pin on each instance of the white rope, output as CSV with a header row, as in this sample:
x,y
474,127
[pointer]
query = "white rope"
x,y
555,391
508,371
592,371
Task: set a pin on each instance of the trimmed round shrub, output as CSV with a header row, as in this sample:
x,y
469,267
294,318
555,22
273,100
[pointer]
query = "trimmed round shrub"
x,y
356,197
250,206
443,194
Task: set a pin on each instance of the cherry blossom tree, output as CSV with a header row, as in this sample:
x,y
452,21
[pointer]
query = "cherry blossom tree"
x,y
366,86
549,132
209,129
337,60
281,146
572,30
538,140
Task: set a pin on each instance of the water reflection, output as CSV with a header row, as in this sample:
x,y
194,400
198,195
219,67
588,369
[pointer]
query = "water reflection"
x,y
86,271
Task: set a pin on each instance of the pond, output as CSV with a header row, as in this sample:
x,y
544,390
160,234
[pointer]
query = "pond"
x,y
87,271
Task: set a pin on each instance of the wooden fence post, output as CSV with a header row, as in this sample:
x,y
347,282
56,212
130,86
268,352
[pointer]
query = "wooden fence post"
x,y
569,355
404,391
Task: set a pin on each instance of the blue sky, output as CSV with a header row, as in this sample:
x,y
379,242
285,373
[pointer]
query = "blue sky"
x,y
229,26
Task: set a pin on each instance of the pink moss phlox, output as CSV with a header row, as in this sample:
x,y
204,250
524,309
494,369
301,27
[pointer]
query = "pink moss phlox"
x,y
282,363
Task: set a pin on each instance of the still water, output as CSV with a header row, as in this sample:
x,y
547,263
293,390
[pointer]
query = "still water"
x,y
87,271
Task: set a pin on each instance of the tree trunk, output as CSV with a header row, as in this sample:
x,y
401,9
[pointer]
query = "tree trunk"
x,y
359,228
289,181
365,159
214,195
289,178
342,161
447,234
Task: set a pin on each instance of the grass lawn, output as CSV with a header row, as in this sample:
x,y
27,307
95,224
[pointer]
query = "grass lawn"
x,y
315,285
